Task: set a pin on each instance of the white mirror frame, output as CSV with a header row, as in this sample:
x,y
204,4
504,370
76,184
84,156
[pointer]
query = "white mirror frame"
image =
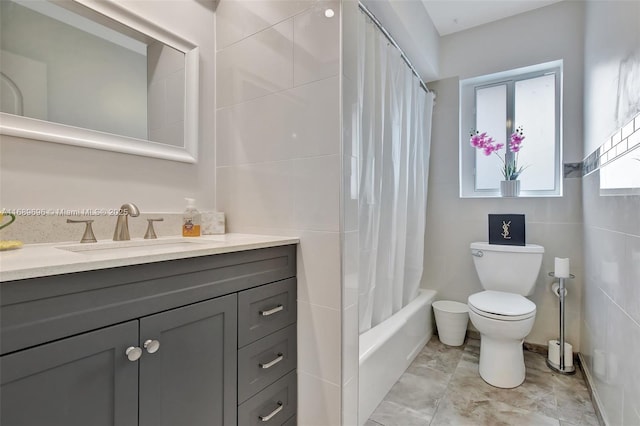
x,y
31,128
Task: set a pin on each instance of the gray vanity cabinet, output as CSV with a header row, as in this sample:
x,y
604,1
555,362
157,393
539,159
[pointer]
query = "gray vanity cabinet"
x,y
187,379
78,381
64,342
191,378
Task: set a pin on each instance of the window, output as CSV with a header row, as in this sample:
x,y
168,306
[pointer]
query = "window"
x,y
498,104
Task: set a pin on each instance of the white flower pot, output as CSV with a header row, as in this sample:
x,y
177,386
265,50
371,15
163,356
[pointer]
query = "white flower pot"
x,y
510,188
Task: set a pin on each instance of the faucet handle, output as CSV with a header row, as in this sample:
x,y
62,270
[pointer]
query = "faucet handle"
x,y
151,233
88,236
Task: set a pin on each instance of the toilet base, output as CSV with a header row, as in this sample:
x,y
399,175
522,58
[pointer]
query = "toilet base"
x,y
501,362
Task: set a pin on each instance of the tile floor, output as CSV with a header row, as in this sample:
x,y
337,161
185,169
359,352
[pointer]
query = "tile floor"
x,y
442,387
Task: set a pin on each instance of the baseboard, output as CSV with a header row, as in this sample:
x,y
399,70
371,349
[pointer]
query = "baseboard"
x,y
536,348
597,404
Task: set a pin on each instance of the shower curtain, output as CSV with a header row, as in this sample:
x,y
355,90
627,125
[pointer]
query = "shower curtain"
x,y
395,137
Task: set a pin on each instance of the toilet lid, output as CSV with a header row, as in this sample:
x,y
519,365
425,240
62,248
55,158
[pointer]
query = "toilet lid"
x,y
501,303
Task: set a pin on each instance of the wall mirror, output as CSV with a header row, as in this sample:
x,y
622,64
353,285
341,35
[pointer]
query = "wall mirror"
x,y
91,73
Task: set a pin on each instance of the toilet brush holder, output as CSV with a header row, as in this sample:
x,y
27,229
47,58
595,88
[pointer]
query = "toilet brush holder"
x,y
564,366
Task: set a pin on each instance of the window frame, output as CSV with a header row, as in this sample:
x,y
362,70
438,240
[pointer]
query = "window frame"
x,y
467,120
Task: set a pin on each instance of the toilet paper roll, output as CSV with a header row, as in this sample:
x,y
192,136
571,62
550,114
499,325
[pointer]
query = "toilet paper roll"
x,y
556,289
554,353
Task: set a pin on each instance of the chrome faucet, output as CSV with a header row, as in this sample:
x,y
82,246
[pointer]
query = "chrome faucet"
x,y
122,225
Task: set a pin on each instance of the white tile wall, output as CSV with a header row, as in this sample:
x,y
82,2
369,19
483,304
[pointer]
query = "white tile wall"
x,y
284,125
238,19
349,400
611,308
631,283
316,191
323,340
278,165
316,37
349,220
319,264
323,398
256,66
611,322
256,195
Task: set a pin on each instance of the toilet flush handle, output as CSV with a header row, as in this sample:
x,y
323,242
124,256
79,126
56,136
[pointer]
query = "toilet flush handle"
x,y
477,253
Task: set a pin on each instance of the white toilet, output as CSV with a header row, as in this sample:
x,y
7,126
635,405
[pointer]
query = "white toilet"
x,y
501,313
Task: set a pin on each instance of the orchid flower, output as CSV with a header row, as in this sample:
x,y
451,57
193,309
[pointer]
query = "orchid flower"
x,y
487,144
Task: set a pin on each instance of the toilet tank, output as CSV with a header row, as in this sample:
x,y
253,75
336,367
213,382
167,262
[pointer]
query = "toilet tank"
x,y
513,269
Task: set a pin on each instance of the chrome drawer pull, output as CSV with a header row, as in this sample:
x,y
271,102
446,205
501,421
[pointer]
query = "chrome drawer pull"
x,y
272,363
273,413
272,311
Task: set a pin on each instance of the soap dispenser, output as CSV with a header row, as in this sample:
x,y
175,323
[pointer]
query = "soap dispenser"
x,y
191,220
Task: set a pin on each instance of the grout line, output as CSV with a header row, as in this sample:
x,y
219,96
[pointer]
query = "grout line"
x,y
446,389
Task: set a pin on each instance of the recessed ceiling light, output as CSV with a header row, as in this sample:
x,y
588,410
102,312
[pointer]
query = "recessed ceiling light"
x,y
329,13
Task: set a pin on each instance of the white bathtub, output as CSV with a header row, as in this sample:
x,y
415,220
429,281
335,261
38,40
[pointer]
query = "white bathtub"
x,y
389,348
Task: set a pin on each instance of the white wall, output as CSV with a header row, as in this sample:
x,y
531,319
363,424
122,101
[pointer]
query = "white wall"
x,y
278,165
546,34
36,174
611,320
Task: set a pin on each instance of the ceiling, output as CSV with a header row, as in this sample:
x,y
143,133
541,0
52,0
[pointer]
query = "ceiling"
x,y
450,16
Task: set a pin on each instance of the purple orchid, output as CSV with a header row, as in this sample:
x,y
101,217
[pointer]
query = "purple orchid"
x,y
516,139
487,144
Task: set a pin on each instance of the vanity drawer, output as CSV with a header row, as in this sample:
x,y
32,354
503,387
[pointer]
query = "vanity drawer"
x,y
263,310
264,361
273,406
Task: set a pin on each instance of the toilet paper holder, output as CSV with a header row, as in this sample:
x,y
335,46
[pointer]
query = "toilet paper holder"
x,y
562,367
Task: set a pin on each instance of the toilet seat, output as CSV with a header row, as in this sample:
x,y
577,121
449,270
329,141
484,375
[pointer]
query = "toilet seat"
x,y
501,305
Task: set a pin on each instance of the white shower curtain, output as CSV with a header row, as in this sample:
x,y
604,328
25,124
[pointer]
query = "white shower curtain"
x,y
395,137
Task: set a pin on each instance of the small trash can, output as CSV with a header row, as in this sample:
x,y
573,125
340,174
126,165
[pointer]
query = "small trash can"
x,y
451,320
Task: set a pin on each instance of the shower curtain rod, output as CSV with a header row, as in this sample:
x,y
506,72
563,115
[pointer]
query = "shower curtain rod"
x,y
371,16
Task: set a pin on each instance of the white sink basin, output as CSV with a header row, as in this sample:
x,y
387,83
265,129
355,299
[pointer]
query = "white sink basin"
x,y
135,247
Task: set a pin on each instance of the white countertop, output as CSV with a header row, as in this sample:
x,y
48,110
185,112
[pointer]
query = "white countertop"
x,y
40,260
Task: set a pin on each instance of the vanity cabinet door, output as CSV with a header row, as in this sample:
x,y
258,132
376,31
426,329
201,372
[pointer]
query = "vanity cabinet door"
x,y
82,380
191,378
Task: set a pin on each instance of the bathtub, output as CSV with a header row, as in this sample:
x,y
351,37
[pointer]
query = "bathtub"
x,y
389,348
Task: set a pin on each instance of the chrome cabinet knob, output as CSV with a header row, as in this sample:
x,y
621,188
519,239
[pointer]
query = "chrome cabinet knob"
x,y
151,346
133,353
